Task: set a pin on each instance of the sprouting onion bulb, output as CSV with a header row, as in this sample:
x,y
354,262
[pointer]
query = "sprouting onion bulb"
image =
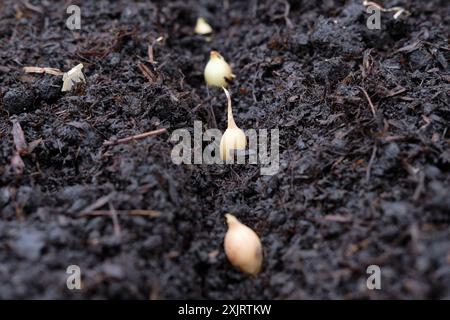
x,y
242,246
202,27
217,71
233,138
73,76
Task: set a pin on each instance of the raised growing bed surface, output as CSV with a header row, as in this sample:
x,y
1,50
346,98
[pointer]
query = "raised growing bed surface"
x,y
364,175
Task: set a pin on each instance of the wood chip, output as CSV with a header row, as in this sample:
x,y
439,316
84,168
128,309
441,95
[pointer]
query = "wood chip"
x,y
52,71
338,218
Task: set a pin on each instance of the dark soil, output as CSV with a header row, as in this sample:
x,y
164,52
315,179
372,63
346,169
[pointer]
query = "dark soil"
x,y
354,188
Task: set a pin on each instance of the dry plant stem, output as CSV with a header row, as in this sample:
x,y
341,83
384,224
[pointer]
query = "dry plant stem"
x,y
147,73
150,50
52,71
135,137
436,46
287,8
150,53
28,5
136,212
420,186
372,107
100,202
369,166
115,219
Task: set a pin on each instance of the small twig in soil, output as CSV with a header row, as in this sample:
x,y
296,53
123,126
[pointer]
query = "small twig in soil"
x,y
369,166
338,218
420,186
372,107
52,71
31,7
136,212
393,93
135,137
147,73
427,122
394,138
287,8
410,47
436,46
115,220
150,49
412,171
150,54
100,202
